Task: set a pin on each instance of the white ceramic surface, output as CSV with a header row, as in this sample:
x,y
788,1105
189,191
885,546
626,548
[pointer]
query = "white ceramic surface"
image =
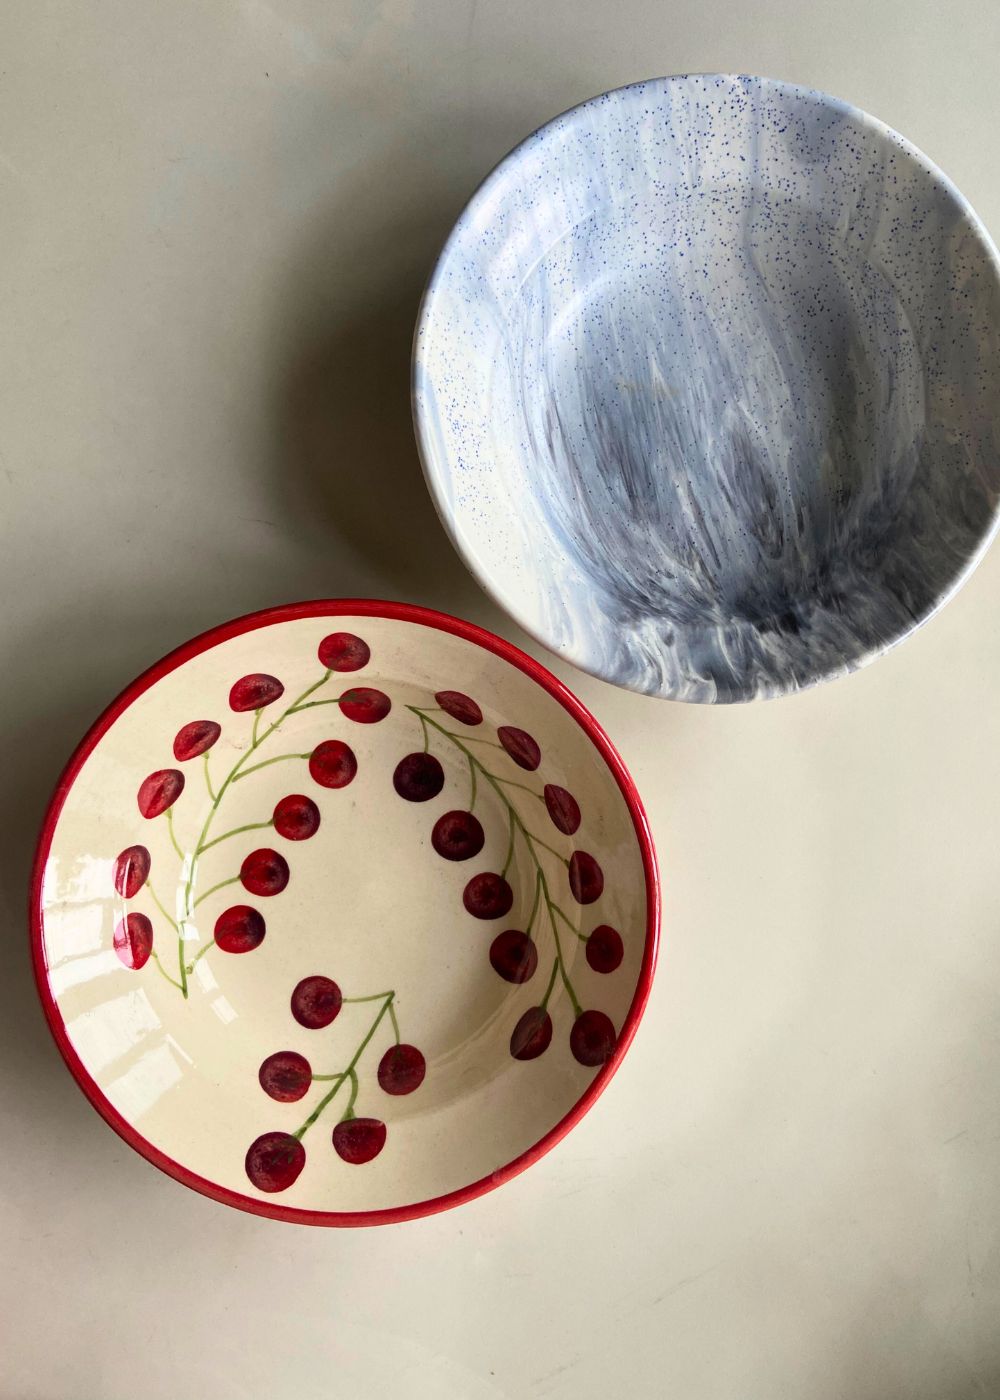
x,y
417,837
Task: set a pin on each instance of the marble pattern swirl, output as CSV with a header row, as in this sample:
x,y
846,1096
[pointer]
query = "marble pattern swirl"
x,y
706,386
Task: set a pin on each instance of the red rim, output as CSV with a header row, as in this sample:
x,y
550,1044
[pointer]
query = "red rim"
x,y
400,612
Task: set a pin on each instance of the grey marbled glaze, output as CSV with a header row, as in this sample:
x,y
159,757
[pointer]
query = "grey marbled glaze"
x,y
706,387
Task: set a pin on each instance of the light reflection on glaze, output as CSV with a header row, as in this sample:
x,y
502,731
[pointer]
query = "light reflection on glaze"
x,y
706,387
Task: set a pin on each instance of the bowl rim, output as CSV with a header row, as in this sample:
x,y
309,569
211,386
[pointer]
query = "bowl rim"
x,y
435,486
399,612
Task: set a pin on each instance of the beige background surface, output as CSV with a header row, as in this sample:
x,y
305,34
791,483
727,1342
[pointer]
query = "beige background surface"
x,y
215,221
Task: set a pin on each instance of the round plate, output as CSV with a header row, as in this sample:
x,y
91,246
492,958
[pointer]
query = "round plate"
x,y
344,912
733,348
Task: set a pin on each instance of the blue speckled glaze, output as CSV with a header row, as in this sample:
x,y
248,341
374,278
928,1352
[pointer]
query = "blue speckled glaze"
x,y
706,385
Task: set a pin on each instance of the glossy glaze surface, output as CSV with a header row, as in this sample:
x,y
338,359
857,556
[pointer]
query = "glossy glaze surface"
x,y
345,913
705,383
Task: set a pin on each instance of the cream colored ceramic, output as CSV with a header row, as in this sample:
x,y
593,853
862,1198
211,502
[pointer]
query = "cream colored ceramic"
x,y
345,912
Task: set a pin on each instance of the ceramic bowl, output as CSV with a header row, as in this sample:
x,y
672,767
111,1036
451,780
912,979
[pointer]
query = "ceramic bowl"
x,y
706,385
344,912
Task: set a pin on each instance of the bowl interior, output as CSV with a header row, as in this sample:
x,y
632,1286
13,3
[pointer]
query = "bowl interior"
x,y
732,347
239,923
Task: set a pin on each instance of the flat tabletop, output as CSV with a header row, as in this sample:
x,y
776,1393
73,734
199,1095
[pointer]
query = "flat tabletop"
x,y
216,221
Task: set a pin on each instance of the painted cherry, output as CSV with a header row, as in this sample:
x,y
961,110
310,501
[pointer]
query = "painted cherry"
x,y
255,691
285,1076
401,1069
343,651
458,836
195,739
133,940
418,777
364,705
592,1039
358,1140
296,817
316,1001
332,764
563,808
586,878
459,706
274,1161
240,929
488,896
521,747
264,872
513,955
604,948
532,1034
159,791
131,871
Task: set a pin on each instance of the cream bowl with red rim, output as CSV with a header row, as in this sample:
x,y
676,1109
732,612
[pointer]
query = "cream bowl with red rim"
x,y
344,912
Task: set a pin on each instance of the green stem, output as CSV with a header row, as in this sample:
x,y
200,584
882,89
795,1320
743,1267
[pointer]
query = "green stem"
x,y
495,784
427,733
250,826
350,1068
156,900
375,996
312,704
569,923
552,983
266,763
173,836
534,907
472,794
200,954
457,737
256,726
220,886
395,1023
349,1110
512,782
510,844
164,973
545,846
208,780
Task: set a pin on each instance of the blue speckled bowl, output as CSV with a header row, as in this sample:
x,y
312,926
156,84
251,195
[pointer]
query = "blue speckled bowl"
x,y
706,385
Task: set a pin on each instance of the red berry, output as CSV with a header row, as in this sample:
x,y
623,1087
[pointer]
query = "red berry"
x,y
418,777
401,1069
532,1034
133,940
254,692
332,764
563,808
264,872
195,738
343,651
316,1001
586,878
296,818
358,1140
274,1161
458,836
364,705
285,1076
604,948
521,747
131,871
592,1039
459,706
239,929
488,896
160,791
513,955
